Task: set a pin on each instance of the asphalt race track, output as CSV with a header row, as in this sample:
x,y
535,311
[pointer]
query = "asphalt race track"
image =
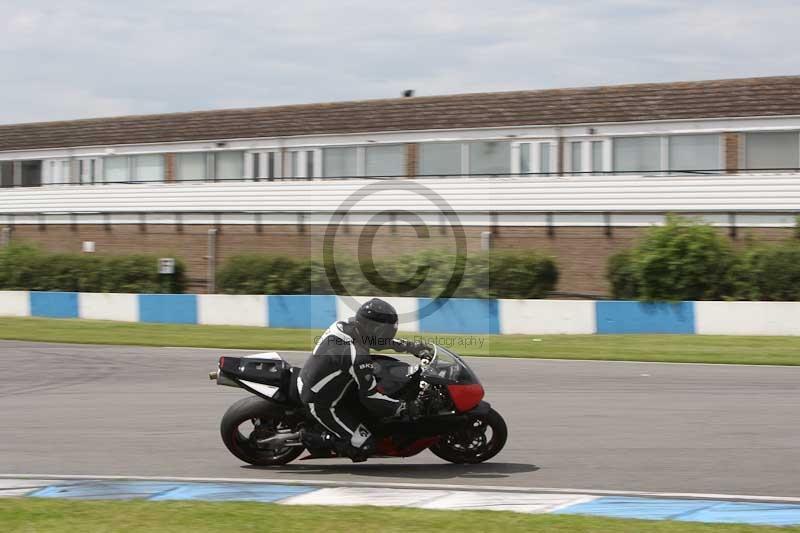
x,y
97,410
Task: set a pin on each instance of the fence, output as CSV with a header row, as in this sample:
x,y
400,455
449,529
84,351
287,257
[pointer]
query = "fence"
x,y
422,315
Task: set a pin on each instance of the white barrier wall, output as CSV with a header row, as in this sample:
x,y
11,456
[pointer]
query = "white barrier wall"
x,y
747,318
15,303
232,310
544,317
108,306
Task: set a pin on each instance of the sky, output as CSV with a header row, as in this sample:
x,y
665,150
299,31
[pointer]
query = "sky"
x,y
85,58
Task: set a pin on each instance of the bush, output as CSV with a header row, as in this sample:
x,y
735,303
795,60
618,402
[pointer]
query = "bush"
x,y
771,273
427,274
24,267
682,260
622,277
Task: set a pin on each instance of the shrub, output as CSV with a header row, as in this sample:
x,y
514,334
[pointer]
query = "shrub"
x,y
24,267
622,276
682,260
771,273
427,274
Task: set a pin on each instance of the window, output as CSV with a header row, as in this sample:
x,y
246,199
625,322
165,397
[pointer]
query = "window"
x,y
229,165
56,172
694,152
31,173
6,174
272,165
779,150
385,160
309,163
265,165
440,159
597,157
191,167
124,168
637,154
88,170
339,162
116,169
148,167
575,156
490,157
544,158
525,158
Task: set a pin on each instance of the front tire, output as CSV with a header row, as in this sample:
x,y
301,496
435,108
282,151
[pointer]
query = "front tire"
x,y
266,417
481,440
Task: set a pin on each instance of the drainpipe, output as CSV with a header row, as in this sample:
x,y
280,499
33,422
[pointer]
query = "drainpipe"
x,y
5,236
212,261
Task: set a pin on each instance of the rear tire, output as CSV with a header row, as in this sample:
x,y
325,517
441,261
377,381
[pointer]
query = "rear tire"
x,y
471,445
267,415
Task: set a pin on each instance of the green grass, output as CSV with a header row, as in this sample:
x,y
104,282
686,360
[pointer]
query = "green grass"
x,y
57,516
666,348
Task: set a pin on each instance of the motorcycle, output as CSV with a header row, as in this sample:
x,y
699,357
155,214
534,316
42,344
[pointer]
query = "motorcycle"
x,y
450,417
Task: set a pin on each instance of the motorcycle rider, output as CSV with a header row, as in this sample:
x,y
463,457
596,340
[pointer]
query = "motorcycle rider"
x,y
342,358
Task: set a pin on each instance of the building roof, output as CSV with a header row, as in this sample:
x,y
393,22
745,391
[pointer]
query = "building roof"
x,y
748,97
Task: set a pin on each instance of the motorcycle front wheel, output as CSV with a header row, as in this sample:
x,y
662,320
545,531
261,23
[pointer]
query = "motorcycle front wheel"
x,y
482,439
250,419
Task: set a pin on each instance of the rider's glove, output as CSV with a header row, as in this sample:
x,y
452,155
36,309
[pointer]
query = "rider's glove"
x,y
416,348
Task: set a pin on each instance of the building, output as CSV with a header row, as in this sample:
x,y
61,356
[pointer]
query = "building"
x,y
576,173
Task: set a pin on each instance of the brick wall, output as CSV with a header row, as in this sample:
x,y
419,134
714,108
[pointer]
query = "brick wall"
x,y
412,157
733,147
581,252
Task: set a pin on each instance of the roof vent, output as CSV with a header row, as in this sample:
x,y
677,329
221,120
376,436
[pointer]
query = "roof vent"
x,y
408,93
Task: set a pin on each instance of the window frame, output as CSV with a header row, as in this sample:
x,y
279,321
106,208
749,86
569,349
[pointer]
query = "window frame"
x,y
53,169
587,155
302,163
534,148
742,160
720,155
463,158
262,157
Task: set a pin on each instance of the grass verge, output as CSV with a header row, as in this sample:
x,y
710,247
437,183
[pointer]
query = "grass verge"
x,y
57,516
656,348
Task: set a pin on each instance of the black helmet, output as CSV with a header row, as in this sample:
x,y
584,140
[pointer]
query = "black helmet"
x,y
376,321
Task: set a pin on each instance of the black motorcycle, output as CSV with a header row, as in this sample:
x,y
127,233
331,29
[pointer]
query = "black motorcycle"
x,y
450,417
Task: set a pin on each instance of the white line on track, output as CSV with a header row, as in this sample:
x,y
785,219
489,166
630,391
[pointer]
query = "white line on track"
x,y
489,488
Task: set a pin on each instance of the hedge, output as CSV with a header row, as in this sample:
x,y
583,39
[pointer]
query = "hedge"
x,y
25,267
428,274
771,273
689,260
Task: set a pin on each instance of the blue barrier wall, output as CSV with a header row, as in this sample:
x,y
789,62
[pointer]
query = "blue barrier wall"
x,y
638,317
54,304
458,315
301,311
168,308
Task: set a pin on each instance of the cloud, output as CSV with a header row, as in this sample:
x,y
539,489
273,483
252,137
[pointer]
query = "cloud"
x,y
88,58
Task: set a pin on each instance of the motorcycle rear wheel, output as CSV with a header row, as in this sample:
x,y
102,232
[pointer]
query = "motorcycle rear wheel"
x,y
265,417
471,445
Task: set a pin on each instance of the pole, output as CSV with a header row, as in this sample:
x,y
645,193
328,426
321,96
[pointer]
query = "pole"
x,y
212,261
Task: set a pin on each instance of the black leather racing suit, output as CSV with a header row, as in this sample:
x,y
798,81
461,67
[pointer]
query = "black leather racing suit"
x,y
339,362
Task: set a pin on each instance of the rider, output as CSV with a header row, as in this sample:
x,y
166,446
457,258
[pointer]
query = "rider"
x,y
341,358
